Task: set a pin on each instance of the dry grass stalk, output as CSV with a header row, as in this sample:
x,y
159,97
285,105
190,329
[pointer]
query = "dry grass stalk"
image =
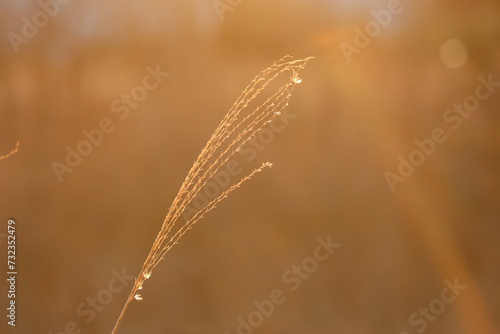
x,y
237,128
14,151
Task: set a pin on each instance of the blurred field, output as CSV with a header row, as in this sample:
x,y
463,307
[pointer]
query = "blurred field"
x,y
353,120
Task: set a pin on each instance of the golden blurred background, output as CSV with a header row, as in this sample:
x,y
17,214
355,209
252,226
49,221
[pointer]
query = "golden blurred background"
x,y
386,74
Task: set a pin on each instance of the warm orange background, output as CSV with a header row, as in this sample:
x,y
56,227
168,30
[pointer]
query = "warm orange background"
x,y
353,121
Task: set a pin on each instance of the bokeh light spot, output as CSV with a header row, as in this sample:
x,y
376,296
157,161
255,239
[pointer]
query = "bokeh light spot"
x,y
454,53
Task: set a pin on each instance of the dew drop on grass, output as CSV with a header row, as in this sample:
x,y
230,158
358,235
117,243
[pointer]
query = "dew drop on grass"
x,y
277,113
297,80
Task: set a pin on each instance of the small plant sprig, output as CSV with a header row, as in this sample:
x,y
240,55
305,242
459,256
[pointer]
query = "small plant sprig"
x,y
14,151
238,126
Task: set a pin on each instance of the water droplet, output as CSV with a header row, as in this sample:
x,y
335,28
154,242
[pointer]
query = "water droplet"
x,y
238,149
147,275
138,297
277,113
297,80
272,104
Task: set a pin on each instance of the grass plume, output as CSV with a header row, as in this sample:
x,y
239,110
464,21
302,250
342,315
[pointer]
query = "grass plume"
x,y
238,126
